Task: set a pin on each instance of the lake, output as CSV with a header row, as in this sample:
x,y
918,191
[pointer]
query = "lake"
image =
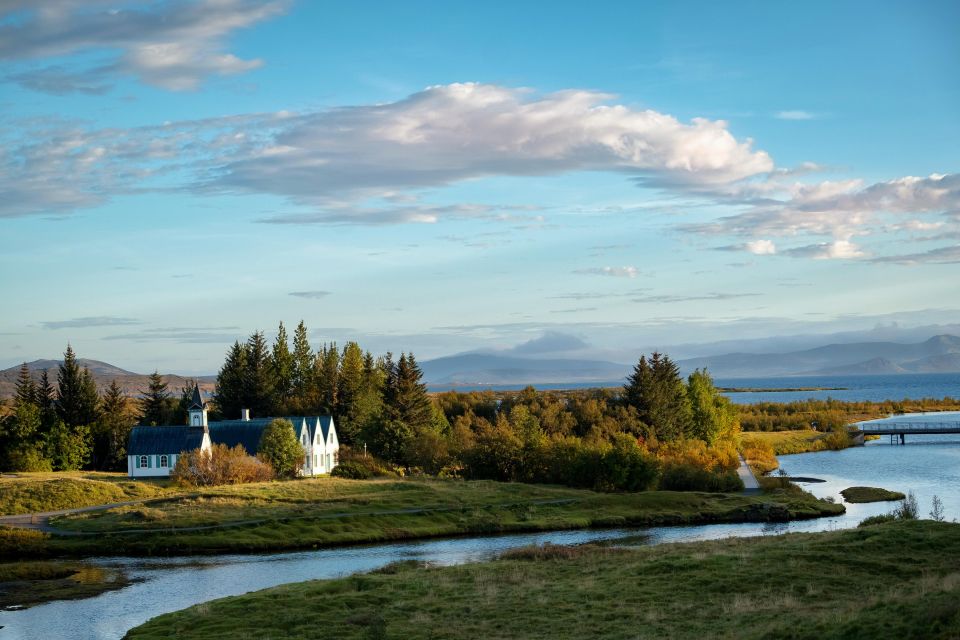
x,y
855,388
926,465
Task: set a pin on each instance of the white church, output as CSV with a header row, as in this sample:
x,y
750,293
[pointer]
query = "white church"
x,y
153,451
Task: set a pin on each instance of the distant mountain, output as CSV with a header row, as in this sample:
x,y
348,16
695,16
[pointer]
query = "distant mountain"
x,y
485,368
132,383
939,354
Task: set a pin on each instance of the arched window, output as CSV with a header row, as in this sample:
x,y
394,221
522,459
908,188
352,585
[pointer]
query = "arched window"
x,y
163,461
143,462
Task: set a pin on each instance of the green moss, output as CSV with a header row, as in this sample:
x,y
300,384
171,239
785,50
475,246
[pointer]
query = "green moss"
x,y
331,511
842,584
870,494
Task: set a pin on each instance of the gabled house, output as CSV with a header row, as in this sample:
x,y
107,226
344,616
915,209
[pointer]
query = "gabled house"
x,y
153,451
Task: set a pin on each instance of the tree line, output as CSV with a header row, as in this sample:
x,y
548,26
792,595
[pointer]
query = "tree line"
x,y
72,425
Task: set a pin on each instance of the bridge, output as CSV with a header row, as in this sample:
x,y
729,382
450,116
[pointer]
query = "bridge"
x,y
899,429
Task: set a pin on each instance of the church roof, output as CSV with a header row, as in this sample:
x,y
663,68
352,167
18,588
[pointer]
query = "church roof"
x,y
196,403
163,440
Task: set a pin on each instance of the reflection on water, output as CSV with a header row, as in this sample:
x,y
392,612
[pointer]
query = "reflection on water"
x,y
926,465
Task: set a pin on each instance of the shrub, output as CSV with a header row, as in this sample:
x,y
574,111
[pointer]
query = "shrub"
x,y
908,509
220,465
28,459
280,448
678,476
880,519
352,471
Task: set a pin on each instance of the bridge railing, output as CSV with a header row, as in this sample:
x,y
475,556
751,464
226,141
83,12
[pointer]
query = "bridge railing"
x,y
910,426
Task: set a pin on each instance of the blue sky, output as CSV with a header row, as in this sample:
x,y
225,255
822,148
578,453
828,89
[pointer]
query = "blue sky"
x,y
440,177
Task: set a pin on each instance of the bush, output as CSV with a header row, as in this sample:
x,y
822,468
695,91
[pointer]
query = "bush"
x,y
28,459
280,448
677,476
351,471
220,465
885,517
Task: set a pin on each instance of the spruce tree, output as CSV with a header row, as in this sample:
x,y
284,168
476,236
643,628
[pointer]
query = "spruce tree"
x,y
407,399
657,392
258,382
76,402
301,373
112,430
153,403
43,394
229,396
26,390
326,374
282,363
350,384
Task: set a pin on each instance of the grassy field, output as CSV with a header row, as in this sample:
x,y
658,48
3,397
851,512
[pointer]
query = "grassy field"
x,y
870,494
786,442
897,580
330,511
23,584
37,492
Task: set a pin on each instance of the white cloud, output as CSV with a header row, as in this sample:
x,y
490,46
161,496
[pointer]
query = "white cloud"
x,y
457,132
941,255
761,247
618,272
838,249
173,44
795,114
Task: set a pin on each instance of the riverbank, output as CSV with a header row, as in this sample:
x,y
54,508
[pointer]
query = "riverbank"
x,y
327,512
25,584
825,585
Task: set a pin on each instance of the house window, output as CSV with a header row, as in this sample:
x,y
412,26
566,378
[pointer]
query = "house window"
x,y
163,461
328,460
336,457
314,459
143,462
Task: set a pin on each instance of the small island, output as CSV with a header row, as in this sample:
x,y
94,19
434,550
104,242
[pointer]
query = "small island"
x,y
870,494
776,389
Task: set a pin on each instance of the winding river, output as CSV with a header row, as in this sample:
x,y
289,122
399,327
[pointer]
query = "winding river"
x,y
926,465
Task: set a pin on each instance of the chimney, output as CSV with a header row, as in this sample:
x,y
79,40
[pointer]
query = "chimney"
x,y
245,415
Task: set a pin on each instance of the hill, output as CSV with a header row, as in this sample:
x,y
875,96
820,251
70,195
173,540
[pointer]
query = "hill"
x,y
103,373
939,354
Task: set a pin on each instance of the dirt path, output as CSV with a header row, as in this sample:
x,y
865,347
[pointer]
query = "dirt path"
x,y
40,521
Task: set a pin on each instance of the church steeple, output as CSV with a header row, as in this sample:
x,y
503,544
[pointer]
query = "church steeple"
x,y
197,409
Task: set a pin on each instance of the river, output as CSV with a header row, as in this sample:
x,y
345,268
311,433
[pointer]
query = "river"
x,y
926,465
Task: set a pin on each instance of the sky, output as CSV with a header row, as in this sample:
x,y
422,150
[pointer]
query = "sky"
x,y
437,177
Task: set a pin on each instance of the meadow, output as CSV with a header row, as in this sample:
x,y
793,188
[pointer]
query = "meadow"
x,y
896,580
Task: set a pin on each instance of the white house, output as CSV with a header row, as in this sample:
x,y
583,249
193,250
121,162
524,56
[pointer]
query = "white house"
x,y
153,451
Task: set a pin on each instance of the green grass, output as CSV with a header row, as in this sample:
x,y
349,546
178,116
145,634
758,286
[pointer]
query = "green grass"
x,y
898,580
39,492
330,511
870,494
24,584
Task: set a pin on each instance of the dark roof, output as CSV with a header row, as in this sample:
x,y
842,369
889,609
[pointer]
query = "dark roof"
x,y
196,403
153,440
163,440
325,422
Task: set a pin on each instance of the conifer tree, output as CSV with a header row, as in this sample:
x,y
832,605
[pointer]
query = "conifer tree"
x,y
76,402
258,382
282,363
26,390
229,396
112,430
406,397
153,404
326,374
658,394
301,369
43,394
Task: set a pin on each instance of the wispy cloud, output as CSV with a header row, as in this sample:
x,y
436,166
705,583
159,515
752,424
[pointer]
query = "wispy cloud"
x,y
617,272
667,299
794,114
314,295
187,335
941,255
838,249
92,321
173,44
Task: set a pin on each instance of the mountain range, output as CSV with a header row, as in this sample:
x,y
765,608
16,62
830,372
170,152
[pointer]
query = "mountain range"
x,y
939,354
131,383
522,366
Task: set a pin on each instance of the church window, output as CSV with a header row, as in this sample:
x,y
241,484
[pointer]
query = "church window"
x,y
143,462
163,461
